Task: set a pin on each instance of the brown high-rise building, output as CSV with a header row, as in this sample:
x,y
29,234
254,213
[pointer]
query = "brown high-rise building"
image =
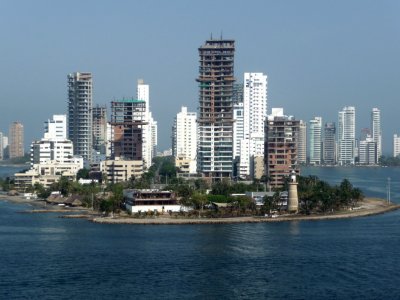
x,y
127,120
280,152
16,136
216,79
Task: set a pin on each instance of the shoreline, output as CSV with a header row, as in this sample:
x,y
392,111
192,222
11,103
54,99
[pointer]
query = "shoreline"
x,y
368,207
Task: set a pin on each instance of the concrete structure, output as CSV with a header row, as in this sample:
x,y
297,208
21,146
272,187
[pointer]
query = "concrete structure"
x,y
99,115
80,94
119,170
315,141
238,128
47,173
127,120
216,78
329,144
376,130
281,140
56,128
302,143
396,145
149,135
293,199
184,140
368,154
257,167
16,135
254,113
1,147
57,150
346,136
151,200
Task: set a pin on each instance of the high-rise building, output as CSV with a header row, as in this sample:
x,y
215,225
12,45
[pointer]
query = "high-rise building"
x,y
16,135
80,91
56,128
346,136
302,143
315,140
99,115
281,140
184,139
127,121
216,78
376,130
329,144
396,145
150,128
368,151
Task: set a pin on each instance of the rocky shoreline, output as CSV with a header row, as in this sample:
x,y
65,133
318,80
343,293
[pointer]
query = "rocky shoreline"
x,y
368,207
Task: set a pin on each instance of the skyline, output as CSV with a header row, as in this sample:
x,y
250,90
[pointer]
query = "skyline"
x,y
319,57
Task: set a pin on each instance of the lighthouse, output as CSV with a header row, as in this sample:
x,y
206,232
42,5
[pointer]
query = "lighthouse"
x,y
293,201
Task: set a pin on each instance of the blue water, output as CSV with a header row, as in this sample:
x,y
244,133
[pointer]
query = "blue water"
x,y
46,257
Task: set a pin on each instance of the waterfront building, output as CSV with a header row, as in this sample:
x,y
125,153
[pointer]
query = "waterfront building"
x,y
80,99
16,135
329,144
144,200
1,147
57,150
396,145
368,154
149,135
184,140
216,78
127,121
99,115
346,136
238,128
315,140
302,143
281,140
121,170
376,130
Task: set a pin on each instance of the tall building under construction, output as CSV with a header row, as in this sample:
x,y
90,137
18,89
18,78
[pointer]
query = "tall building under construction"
x,y
127,121
216,79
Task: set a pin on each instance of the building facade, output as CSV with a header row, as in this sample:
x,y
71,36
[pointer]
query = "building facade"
x,y
80,121
329,144
127,121
56,128
302,143
99,115
368,154
281,140
315,141
184,139
376,130
396,145
16,136
346,136
216,79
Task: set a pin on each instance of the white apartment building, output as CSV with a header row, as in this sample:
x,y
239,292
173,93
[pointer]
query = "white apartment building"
x,y
149,135
238,131
346,136
315,140
377,130
56,128
302,143
368,151
80,98
184,140
396,145
60,151
254,114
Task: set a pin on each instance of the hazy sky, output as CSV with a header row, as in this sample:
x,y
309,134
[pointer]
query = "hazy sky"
x,y
319,55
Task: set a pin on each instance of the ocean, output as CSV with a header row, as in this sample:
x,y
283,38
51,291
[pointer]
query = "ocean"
x,y
47,257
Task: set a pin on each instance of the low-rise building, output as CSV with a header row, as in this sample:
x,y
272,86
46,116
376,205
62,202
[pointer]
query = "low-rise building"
x,y
151,200
120,170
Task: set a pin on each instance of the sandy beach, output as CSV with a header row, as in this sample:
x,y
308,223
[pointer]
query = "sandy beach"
x,y
368,207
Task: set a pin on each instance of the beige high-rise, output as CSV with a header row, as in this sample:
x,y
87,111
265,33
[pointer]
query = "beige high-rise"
x,y
16,136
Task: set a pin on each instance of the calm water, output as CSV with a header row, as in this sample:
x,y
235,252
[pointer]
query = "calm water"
x,y
45,257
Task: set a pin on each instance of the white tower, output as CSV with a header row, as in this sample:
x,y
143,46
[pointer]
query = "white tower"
x,y
315,140
293,200
346,135
376,130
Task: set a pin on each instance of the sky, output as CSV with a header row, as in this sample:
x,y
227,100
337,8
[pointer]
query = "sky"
x,y
319,56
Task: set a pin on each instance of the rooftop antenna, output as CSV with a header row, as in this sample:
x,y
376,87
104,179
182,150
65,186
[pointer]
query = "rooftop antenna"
x,y
211,35
221,34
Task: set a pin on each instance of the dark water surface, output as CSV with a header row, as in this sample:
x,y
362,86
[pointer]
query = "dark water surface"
x,y
46,257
